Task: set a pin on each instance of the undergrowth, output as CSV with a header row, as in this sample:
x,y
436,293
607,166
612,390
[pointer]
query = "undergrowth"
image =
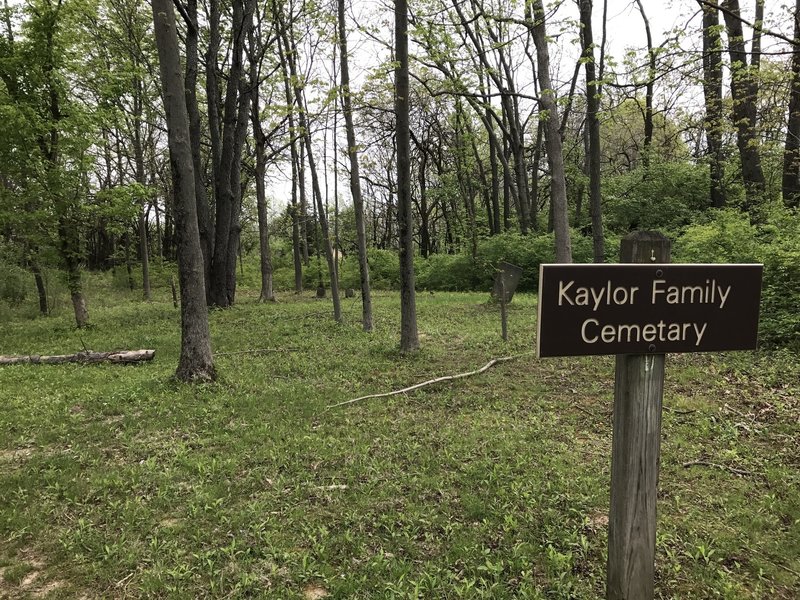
x,y
119,482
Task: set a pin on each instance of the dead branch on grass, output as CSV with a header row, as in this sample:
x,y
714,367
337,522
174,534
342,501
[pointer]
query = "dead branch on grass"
x,y
704,463
256,351
417,386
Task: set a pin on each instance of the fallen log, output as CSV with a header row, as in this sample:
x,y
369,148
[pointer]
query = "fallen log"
x,y
86,357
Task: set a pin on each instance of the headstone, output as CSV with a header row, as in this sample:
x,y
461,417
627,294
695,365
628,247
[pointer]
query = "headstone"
x,y
349,293
507,276
320,291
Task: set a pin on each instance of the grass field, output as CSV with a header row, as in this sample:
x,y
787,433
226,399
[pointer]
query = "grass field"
x,y
116,482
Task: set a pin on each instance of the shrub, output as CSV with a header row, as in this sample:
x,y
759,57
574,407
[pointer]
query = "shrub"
x,y
730,238
384,269
14,284
664,196
447,273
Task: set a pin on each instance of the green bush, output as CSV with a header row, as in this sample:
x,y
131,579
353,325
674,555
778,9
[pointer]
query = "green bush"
x,y
730,238
384,269
14,284
780,320
447,272
665,196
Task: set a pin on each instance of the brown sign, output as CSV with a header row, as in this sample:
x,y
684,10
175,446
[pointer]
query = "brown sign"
x,y
647,309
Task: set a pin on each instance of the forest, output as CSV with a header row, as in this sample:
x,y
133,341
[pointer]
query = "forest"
x,y
296,204
528,141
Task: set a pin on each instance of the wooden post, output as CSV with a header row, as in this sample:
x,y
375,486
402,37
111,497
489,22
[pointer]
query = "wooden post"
x,y
636,445
174,291
503,311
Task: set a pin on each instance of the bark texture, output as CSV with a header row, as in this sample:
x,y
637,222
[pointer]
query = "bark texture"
x,y
355,178
409,338
196,361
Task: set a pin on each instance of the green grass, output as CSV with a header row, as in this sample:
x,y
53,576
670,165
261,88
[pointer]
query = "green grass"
x,y
118,482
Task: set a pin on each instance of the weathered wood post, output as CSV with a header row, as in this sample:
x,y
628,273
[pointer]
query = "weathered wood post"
x,y
503,311
174,291
636,446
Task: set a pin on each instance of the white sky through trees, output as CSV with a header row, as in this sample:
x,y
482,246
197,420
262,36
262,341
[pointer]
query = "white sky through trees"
x,y
625,35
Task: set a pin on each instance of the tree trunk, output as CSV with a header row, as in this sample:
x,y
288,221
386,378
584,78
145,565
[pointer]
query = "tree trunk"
x,y
791,152
141,179
65,208
41,290
409,339
238,188
744,90
355,178
315,188
299,245
593,130
648,94
495,184
424,226
712,93
552,138
144,254
196,361
227,171
87,357
267,294
190,87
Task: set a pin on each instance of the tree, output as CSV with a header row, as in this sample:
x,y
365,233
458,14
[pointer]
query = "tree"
x,y
593,129
409,339
228,129
57,134
791,153
712,93
290,53
744,91
355,177
196,361
552,135
195,128
260,139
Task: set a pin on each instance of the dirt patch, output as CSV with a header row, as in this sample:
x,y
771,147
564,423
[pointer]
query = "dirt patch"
x,y
314,592
16,454
48,588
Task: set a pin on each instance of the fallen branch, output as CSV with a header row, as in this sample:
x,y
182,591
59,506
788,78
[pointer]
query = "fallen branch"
x,y
86,357
412,388
601,417
678,411
255,351
703,463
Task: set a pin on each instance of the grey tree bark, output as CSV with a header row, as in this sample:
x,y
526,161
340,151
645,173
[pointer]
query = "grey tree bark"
x,y
196,361
744,90
190,87
791,152
355,178
552,137
227,148
315,187
267,293
712,93
409,338
299,251
593,131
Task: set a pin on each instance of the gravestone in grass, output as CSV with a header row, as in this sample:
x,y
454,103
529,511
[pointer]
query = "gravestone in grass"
x,y
506,280
639,312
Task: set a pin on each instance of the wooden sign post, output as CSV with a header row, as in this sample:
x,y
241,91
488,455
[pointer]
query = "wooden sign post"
x,y
635,454
639,310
